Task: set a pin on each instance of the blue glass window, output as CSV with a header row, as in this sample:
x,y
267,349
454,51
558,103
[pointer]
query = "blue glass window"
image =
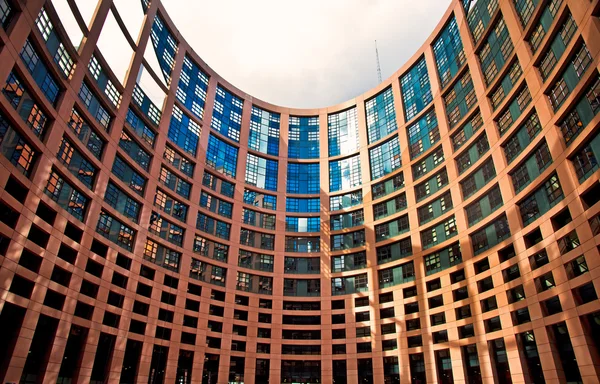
x,y
260,199
103,81
303,138
342,131
40,73
344,174
302,224
293,204
192,87
174,183
227,114
86,134
261,173
303,178
264,131
6,13
385,158
140,98
423,134
54,44
129,176
448,52
221,156
94,106
416,90
381,115
165,47
134,150
183,131
140,128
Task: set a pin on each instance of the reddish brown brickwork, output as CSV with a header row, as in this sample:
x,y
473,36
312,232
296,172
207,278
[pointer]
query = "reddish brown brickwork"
x,y
472,257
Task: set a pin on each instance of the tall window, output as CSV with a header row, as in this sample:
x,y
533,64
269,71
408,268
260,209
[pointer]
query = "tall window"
x,y
423,134
165,47
192,87
183,131
385,158
344,174
448,52
342,131
227,114
416,90
221,156
303,137
264,131
303,178
381,115
261,173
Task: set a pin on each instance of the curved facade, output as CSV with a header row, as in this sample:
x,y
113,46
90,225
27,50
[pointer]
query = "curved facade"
x,y
442,227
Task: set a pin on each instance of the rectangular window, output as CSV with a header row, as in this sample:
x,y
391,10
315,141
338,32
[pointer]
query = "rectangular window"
x,y
416,90
423,134
303,178
342,132
115,231
67,196
460,99
264,131
303,139
496,51
385,158
448,52
344,174
183,131
192,87
16,148
381,116
76,163
227,114
221,156
261,173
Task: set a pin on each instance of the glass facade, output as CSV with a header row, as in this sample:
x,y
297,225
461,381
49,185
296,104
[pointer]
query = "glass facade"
x,y
416,90
192,87
303,138
227,114
448,52
259,253
344,174
184,132
342,131
264,131
221,156
381,116
165,47
303,178
261,173
385,158
423,134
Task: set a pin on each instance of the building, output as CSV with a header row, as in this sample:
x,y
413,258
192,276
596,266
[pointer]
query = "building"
x,y
442,227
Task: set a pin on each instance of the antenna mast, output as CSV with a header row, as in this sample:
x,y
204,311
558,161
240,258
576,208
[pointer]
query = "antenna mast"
x,y
378,66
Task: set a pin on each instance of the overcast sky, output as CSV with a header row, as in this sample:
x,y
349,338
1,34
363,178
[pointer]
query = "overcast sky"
x,y
310,53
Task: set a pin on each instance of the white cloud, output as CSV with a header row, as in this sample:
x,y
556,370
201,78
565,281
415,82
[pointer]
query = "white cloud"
x,y
310,53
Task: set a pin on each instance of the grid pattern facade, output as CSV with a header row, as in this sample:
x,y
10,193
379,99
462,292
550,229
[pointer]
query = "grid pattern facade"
x,y
431,230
